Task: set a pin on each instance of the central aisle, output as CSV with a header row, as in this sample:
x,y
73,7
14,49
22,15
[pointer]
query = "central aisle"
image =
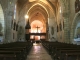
x,y
38,53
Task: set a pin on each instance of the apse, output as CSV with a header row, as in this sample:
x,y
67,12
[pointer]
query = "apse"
x,y
36,27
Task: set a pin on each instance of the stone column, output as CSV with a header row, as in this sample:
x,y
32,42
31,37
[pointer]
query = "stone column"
x,y
8,20
66,29
66,21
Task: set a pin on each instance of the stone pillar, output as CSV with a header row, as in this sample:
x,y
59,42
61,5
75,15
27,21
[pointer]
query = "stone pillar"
x,y
66,21
8,20
66,29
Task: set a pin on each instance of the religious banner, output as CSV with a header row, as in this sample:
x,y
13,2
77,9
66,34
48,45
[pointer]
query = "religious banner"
x,y
77,6
60,27
57,28
14,26
63,24
1,30
52,30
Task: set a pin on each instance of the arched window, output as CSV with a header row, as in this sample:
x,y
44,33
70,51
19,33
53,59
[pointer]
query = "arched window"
x,y
1,24
15,12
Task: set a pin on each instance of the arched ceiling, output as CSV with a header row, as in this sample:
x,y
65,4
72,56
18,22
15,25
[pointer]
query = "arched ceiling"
x,y
38,9
52,4
45,1
37,13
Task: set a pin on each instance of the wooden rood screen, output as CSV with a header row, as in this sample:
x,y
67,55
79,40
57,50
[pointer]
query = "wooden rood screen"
x,y
38,34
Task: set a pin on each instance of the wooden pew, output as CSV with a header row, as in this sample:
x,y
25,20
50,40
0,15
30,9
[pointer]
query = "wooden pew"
x,y
8,57
68,49
56,50
16,50
68,54
19,52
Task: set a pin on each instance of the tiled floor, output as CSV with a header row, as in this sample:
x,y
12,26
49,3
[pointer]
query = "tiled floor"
x,y
38,53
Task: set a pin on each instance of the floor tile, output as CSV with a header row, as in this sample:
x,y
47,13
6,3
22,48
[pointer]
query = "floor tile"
x,y
38,53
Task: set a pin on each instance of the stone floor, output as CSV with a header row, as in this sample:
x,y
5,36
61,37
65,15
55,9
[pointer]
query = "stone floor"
x,y
38,53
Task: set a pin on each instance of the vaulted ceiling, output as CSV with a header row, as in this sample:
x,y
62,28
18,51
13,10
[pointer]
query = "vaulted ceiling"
x,y
38,12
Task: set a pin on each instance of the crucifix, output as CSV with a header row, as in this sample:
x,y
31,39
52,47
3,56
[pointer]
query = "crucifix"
x,y
37,28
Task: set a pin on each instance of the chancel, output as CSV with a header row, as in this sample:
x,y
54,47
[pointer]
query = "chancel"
x,y
39,29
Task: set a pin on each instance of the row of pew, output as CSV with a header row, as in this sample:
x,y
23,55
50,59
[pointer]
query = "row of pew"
x,y
62,51
15,50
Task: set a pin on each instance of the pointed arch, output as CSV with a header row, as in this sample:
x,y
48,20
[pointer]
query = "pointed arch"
x,y
74,26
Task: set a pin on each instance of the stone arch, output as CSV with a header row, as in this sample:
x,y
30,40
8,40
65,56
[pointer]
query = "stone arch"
x,y
38,9
60,20
42,9
74,26
48,16
2,24
48,8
